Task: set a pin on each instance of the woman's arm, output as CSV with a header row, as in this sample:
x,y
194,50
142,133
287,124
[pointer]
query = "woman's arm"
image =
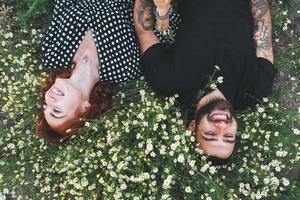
x,y
262,29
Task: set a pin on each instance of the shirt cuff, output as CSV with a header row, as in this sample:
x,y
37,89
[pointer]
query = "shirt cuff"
x,y
268,67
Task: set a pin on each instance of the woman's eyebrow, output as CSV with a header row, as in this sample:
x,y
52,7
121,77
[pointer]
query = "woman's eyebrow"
x,y
209,139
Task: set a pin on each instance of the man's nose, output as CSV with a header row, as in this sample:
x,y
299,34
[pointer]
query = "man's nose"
x,y
220,124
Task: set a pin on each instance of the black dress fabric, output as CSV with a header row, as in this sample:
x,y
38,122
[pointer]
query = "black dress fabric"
x,y
113,32
211,33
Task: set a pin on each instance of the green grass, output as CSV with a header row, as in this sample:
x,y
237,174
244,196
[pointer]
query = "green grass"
x,y
141,148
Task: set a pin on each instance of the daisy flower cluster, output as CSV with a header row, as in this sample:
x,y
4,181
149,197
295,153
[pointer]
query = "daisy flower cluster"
x,y
140,149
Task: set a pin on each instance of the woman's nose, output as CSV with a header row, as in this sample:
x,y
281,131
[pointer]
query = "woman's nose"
x,y
50,99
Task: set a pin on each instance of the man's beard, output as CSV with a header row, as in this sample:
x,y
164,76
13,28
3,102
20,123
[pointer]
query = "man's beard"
x,y
217,104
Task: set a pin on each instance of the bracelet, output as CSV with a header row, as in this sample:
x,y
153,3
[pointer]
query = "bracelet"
x,y
163,17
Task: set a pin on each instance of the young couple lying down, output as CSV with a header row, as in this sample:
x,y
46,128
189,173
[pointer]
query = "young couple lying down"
x,y
91,45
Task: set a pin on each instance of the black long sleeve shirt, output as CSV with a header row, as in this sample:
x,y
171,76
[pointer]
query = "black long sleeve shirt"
x,y
211,33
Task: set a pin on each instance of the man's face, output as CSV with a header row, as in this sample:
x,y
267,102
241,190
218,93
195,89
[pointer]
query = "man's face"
x,y
215,128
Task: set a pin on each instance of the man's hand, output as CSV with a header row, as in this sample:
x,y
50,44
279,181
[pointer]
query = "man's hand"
x,y
263,29
162,7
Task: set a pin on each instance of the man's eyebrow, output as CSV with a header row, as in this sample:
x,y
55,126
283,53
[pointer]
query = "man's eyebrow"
x,y
214,139
229,141
229,135
56,116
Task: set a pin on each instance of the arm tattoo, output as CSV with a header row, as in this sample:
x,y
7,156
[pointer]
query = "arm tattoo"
x,y
262,28
263,34
145,14
259,8
263,39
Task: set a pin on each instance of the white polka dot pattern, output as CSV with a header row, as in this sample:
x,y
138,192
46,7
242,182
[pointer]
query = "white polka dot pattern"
x,y
113,32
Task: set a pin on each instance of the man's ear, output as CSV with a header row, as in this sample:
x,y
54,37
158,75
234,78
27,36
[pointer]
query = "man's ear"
x,y
192,126
85,106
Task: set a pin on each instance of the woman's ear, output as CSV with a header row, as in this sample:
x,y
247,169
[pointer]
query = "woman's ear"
x,y
192,126
85,106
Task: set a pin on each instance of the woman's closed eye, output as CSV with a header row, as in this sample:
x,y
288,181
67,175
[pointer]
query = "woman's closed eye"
x,y
56,111
57,114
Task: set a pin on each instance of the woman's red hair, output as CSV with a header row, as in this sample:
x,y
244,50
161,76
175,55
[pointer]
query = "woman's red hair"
x,y
100,100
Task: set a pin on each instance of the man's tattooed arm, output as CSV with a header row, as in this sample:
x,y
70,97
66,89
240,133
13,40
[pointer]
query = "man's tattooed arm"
x,y
145,14
162,7
146,17
143,24
262,29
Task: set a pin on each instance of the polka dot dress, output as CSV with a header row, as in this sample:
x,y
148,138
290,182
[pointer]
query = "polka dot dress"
x,y
113,32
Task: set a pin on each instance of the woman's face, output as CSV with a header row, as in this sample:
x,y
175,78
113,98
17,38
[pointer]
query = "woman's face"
x,y
64,102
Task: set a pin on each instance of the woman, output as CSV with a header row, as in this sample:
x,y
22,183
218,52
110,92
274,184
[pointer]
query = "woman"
x,y
95,41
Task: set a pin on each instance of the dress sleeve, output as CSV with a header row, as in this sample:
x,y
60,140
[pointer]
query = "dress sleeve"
x,y
59,5
167,37
59,46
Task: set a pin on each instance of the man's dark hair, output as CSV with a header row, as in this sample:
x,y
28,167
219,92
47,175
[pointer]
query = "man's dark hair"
x,y
216,161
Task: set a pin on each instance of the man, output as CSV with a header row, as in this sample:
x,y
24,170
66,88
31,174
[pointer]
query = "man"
x,y
233,35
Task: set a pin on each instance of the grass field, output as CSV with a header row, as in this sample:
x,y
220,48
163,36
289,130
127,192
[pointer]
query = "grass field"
x,y
140,149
